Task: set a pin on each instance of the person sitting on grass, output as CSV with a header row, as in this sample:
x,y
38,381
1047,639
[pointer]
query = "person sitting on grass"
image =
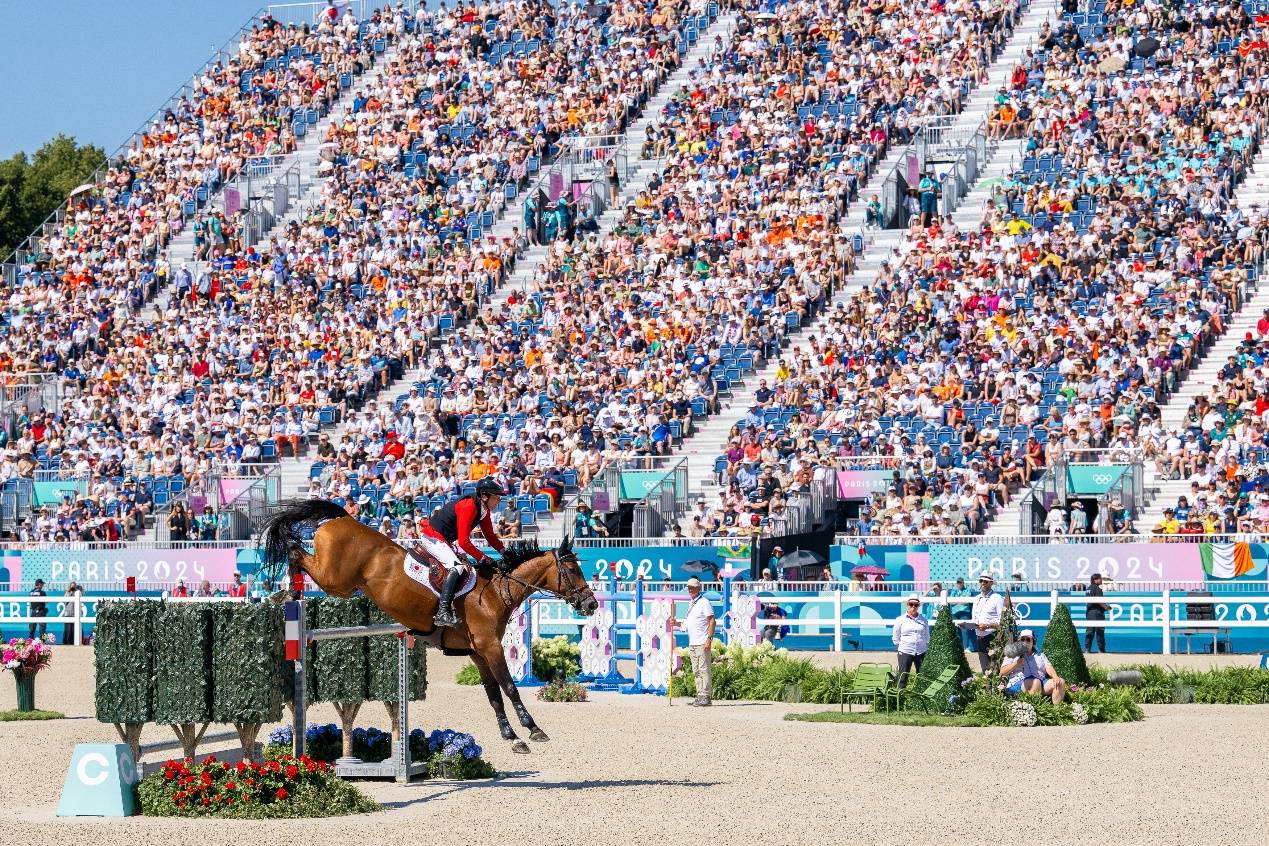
x,y
1031,672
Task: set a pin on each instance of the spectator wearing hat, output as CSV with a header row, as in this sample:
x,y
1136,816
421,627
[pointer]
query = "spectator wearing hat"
x,y
985,618
1079,519
911,636
1031,672
699,625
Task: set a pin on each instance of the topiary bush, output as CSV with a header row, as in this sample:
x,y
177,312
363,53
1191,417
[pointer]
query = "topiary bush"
x,y
1062,648
945,650
1006,636
183,672
341,665
247,668
123,655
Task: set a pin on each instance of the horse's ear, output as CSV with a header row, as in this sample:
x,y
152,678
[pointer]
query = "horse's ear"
x,y
566,545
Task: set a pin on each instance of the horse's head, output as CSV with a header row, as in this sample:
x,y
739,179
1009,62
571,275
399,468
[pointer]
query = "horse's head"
x,y
555,571
567,581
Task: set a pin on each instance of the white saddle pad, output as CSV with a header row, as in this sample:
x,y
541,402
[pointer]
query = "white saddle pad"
x,y
417,568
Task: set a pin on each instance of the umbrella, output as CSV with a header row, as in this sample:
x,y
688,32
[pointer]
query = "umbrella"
x,y
87,186
700,565
1146,47
869,570
802,558
1110,64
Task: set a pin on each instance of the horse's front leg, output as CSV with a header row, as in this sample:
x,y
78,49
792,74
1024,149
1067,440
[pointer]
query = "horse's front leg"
x,y
491,684
498,665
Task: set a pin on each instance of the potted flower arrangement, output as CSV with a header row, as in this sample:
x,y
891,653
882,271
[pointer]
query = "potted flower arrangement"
x,y
26,657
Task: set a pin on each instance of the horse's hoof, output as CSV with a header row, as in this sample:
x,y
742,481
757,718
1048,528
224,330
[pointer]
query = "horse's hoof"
x,y
539,736
520,747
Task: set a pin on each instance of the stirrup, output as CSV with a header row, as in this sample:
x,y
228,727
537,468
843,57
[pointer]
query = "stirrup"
x,y
445,617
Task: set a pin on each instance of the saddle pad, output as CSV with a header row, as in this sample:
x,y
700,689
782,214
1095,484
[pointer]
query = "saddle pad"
x,y
431,575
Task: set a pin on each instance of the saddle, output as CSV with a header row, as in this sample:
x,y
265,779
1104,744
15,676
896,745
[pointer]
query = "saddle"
x,y
431,574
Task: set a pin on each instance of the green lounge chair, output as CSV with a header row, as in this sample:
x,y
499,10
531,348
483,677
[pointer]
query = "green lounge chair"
x,y
871,681
935,693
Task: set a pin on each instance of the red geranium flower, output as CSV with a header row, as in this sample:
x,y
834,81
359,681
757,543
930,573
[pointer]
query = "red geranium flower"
x,y
292,771
205,777
242,766
229,785
310,766
210,759
282,793
206,800
168,775
274,766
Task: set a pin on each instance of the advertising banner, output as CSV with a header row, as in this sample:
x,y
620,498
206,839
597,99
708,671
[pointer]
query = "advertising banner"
x,y
862,484
660,563
58,566
1075,562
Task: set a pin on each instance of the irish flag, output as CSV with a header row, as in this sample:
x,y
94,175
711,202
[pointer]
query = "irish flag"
x,y
1225,560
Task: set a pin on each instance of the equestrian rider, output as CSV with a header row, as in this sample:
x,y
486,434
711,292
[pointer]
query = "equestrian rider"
x,y
449,530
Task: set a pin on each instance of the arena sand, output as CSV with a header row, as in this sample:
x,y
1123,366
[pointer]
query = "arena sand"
x,y
633,769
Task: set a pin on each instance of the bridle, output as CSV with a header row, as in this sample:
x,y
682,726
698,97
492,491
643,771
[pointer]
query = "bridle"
x,y
572,595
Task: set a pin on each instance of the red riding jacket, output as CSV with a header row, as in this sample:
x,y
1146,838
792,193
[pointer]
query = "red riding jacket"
x,y
454,522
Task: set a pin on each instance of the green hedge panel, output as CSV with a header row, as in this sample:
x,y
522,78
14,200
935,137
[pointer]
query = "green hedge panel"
x,y
247,662
182,664
340,665
123,655
383,685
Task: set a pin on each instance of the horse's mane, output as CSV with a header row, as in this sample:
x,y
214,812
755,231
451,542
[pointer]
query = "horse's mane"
x,y
518,552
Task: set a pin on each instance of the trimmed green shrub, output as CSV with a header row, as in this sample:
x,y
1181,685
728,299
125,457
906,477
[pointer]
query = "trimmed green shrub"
x,y
382,684
182,671
1062,648
123,655
556,658
945,650
469,675
340,666
989,710
247,668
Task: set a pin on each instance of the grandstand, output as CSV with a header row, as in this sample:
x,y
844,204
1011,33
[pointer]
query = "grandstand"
x,y
377,254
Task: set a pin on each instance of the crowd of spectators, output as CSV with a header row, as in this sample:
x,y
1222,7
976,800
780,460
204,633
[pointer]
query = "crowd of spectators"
x,y
135,401
1108,259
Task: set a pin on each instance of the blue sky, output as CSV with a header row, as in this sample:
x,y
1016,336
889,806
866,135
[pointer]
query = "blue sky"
x,y
96,70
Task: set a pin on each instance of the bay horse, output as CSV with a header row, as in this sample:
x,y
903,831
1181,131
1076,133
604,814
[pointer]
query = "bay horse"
x,y
349,556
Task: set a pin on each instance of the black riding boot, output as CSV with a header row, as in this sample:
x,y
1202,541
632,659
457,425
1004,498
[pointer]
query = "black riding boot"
x,y
445,615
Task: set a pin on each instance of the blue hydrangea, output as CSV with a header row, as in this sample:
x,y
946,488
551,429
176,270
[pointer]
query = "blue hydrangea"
x,y
281,735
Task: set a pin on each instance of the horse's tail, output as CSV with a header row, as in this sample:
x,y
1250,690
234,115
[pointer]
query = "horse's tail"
x,y
279,540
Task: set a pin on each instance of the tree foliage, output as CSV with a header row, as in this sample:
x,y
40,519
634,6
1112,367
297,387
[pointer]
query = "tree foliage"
x,y
124,658
945,650
247,662
32,188
1062,648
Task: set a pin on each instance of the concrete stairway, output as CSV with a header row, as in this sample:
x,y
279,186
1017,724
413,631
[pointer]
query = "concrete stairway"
x,y
296,473
1160,492
307,155
707,443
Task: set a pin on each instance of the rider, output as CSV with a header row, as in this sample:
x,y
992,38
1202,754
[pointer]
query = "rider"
x,y
449,530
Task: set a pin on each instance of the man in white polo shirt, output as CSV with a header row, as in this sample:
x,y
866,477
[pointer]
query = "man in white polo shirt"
x,y
700,636
988,606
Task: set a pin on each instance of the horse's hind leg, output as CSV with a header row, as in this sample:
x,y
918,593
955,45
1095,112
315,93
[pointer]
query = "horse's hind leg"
x,y
490,682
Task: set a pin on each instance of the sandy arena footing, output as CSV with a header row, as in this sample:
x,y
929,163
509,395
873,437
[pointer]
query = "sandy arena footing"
x,y
634,769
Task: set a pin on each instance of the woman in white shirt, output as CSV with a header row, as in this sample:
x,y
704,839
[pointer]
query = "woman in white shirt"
x,y
911,638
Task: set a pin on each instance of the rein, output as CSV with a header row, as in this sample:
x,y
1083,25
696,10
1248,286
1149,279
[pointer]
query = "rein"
x,y
505,595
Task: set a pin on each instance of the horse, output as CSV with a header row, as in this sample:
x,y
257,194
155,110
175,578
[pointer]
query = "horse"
x,y
349,556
